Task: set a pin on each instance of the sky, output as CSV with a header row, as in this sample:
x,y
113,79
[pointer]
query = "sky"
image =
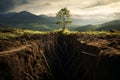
x,y
85,11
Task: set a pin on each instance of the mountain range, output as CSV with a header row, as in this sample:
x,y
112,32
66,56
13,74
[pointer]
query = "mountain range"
x,y
27,20
25,17
112,25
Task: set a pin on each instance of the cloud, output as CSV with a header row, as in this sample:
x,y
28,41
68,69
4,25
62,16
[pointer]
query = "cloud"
x,y
83,8
48,4
101,3
116,15
90,11
41,6
6,5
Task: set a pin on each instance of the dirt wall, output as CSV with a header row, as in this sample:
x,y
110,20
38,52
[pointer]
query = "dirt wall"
x,y
58,57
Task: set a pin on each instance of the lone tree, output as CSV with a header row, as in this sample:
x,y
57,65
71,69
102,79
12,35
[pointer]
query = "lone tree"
x,y
63,17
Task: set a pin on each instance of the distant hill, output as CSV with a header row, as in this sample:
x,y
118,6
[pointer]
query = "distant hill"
x,y
24,17
27,20
110,25
86,28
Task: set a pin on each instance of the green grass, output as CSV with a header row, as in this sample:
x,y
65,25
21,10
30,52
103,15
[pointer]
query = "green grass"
x,y
101,33
8,33
66,31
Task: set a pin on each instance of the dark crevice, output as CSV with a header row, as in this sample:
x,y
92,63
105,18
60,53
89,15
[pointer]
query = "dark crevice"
x,y
59,57
68,61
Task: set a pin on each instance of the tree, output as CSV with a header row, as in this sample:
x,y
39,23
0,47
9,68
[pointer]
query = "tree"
x,y
63,17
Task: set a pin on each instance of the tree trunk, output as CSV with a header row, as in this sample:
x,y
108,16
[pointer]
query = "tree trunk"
x,y
64,24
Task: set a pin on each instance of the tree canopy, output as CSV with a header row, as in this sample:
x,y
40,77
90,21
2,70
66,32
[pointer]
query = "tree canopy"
x,y
63,17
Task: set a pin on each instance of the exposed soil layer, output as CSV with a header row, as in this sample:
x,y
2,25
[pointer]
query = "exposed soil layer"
x,y
58,56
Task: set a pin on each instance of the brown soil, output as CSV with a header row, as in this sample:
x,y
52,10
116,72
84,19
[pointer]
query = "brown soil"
x,y
57,56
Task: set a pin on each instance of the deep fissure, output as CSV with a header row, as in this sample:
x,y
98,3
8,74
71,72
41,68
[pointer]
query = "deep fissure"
x,y
67,63
59,57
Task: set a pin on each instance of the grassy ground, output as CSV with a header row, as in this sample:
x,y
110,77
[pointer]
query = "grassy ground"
x,y
13,33
59,55
9,33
